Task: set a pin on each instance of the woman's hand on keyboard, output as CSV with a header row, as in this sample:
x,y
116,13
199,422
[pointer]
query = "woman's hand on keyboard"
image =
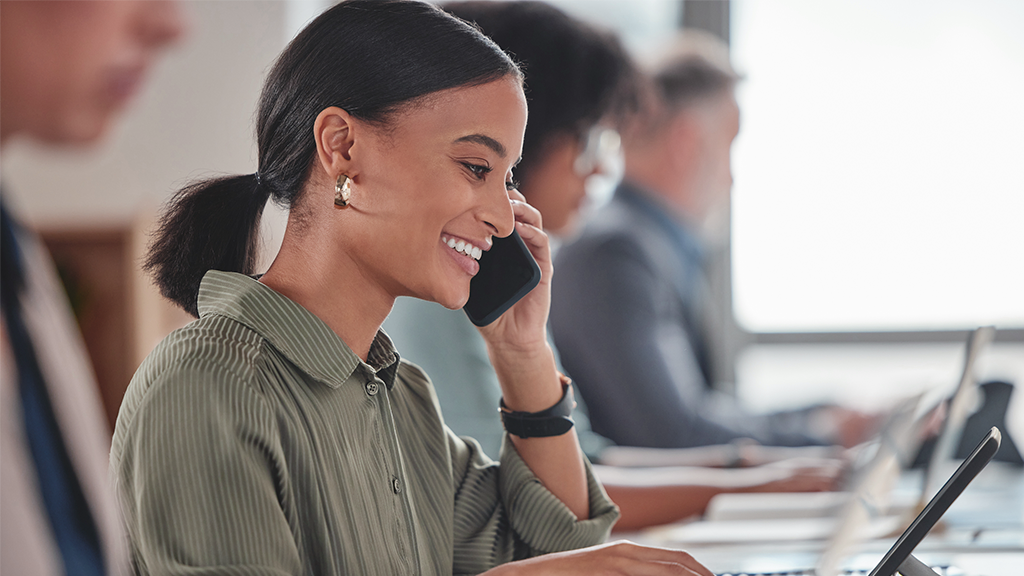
x,y
615,558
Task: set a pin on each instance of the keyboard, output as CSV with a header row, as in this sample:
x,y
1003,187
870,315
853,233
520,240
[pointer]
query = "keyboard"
x,y
939,571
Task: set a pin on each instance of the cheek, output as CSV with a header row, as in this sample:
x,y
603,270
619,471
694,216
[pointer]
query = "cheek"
x,y
88,91
568,197
409,211
73,109
421,175
90,36
86,119
554,188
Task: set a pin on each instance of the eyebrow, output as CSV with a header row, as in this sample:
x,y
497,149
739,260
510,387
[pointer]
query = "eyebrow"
x,y
486,141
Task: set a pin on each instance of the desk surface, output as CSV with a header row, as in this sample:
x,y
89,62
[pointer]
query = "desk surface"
x,y
983,536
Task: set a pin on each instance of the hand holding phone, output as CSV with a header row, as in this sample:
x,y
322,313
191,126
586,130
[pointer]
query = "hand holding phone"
x,y
507,273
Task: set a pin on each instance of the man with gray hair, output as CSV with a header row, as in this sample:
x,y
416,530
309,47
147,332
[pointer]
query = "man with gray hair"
x,y
632,313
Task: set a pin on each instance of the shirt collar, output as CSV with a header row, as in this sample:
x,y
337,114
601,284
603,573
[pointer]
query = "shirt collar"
x,y
299,335
383,358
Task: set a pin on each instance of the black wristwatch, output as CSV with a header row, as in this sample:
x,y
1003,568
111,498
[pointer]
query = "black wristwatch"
x,y
554,421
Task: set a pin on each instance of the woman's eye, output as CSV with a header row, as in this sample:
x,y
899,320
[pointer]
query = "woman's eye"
x,y
477,170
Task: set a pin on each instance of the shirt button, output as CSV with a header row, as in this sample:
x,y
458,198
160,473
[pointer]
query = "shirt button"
x,y
396,485
372,388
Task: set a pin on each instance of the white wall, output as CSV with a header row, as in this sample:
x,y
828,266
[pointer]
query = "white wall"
x,y
194,117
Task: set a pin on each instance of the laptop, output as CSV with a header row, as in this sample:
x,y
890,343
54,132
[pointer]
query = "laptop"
x,y
900,556
847,517
868,480
896,442
959,408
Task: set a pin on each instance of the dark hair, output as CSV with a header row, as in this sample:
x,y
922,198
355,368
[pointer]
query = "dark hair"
x,y
368,57
576,74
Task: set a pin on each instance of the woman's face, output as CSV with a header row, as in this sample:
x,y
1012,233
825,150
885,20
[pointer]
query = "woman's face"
x,y
554,187
438,175
557,184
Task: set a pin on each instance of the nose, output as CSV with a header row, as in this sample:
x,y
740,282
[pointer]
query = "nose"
x,y
161,22
496,212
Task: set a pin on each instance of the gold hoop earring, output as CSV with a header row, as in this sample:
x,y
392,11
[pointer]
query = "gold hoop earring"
x,y
342,190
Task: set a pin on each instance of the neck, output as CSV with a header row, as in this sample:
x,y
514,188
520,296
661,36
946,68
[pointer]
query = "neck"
x,y
329,284
653,171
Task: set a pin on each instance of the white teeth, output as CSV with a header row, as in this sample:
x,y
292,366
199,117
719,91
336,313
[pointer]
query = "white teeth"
x,y
463,247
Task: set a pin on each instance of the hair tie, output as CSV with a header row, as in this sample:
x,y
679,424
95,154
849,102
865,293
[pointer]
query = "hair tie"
x,y
259,181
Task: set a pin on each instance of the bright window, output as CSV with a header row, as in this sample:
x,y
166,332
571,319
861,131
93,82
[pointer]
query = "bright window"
x,y
879,171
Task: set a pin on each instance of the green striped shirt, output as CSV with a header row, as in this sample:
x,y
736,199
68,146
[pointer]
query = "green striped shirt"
x,y
254,441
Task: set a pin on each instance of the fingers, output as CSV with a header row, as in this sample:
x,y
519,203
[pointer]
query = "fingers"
x,y
813,482
614,559
856,427
674,568
660,560
528,224
523,212
805,479
532,235
680,558
650,569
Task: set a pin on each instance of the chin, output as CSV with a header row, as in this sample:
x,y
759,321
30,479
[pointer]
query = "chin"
x,y
454,304
83,133
562,229
450,299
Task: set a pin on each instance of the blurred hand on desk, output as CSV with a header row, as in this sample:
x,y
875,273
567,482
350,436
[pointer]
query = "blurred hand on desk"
x,y
852,427
655,496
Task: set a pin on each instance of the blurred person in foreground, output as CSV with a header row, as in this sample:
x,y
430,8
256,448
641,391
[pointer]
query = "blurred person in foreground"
x,y
580,84
68,69
632,314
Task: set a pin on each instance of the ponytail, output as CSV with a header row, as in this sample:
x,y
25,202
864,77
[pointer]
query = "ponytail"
x,y
208,225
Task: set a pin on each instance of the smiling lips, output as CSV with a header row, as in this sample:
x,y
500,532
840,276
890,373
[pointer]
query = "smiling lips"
x,y
463,247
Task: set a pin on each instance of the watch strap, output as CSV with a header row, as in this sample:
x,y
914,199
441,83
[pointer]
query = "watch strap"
x,y
554,421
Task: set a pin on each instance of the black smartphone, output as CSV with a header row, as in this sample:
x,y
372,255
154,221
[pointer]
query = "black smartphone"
x,y
507,273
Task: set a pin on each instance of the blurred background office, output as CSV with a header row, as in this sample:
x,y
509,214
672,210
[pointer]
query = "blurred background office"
x,y
875,215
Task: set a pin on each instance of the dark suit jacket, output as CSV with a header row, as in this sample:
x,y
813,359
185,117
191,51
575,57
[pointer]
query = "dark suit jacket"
x,y
628,315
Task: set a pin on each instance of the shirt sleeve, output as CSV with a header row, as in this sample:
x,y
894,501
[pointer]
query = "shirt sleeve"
x,y
197,468
504,513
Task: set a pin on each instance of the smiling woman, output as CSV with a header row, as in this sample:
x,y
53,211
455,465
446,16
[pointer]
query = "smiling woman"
x,y
280,432
394,236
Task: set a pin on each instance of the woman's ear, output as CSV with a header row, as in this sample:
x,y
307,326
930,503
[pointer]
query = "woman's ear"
x,y
334,133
